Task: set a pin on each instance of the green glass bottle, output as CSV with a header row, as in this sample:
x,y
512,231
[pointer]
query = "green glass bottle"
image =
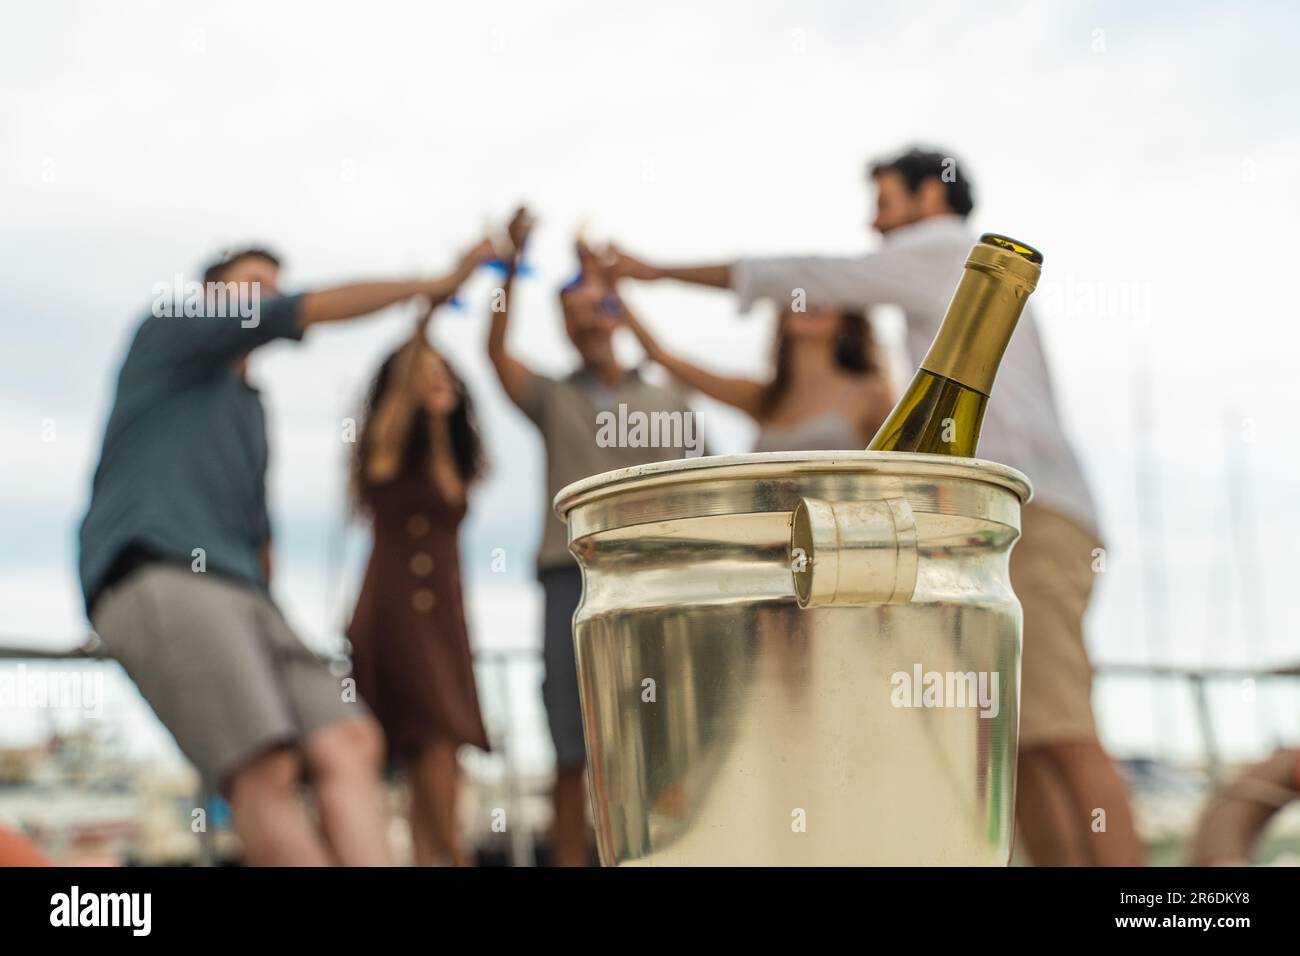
x,y
943,408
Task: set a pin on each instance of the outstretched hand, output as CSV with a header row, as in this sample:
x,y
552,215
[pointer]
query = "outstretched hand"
x,y
618,264
482,251
521,225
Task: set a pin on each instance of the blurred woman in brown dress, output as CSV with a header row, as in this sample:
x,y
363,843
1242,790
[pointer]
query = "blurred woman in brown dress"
x,y
417,455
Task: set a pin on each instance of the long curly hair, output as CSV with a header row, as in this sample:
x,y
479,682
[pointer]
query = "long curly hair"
x,y
417,447
855,352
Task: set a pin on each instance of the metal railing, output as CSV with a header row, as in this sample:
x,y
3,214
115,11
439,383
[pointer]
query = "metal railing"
x,y
1198,680
521,848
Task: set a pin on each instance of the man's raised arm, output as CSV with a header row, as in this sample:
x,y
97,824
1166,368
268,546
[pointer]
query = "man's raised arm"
x,y
617,264
362,298
882,277
514,375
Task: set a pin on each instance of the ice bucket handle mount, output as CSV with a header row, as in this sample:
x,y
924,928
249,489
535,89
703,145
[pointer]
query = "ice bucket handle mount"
x,y
853,553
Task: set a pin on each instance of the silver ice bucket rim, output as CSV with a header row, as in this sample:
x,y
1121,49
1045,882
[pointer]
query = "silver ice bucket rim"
x,y
787,464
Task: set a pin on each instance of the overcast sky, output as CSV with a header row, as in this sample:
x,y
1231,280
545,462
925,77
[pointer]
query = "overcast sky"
x,y
1152,158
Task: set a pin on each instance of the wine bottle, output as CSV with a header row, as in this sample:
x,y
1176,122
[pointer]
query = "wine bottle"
x,y
943,408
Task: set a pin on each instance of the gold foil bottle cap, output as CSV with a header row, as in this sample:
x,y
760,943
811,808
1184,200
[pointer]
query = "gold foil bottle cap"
x,y
1000,274
1006,260
1019,248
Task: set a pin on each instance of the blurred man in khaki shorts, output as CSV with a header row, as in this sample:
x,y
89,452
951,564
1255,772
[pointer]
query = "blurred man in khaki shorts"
x,y
175,567
1072,804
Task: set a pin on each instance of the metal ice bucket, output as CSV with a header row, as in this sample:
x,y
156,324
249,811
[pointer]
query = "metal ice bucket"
x,y
799,659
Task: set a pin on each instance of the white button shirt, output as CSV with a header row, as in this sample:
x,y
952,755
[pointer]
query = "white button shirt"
x,y
917,269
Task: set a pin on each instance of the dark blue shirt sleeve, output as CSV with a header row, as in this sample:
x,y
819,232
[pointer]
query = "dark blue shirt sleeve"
x,y
204,342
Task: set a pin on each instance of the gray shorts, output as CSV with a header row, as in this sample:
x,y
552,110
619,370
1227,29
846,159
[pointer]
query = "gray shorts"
x,y
563,589
219,665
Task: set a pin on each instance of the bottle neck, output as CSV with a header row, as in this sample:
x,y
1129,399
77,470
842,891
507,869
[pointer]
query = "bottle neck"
x,y
981,317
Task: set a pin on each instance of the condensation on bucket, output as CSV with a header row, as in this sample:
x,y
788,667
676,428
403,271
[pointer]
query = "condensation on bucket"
x,y
726,724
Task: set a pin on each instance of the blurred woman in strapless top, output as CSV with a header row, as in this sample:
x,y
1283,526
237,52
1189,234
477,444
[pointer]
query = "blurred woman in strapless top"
x,y
829,390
